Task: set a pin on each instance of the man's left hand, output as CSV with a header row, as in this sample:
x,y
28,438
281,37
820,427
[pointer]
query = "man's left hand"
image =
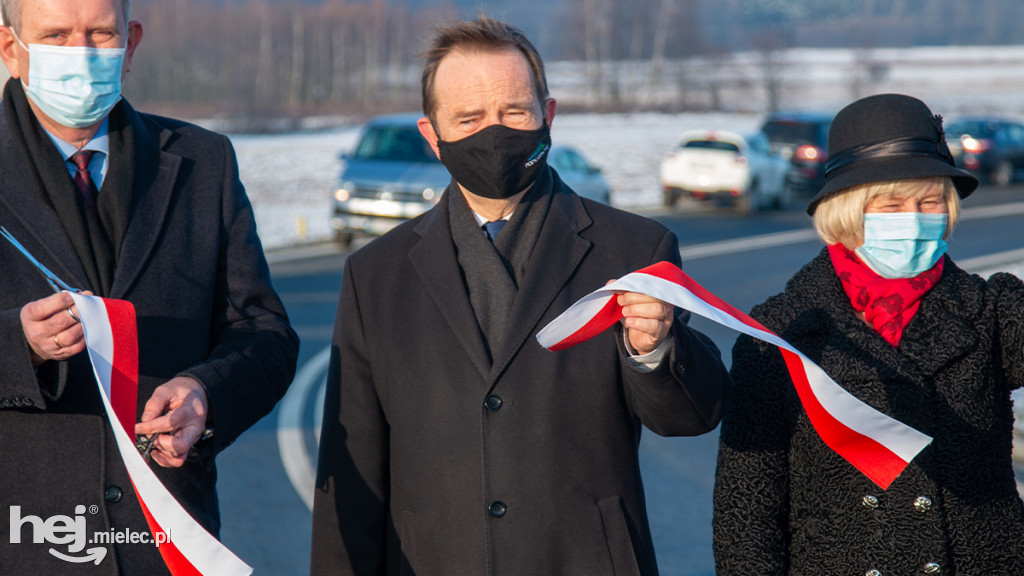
x,y
177,411
647,320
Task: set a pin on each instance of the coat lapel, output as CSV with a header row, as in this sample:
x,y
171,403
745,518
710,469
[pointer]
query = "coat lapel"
x,y
156,173
36,225
558,252
434,259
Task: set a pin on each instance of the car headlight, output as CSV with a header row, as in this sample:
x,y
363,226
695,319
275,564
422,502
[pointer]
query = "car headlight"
x,y
429,194
342,194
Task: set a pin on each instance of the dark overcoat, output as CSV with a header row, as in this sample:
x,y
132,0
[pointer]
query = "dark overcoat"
x,y
193,267
787,504
434,461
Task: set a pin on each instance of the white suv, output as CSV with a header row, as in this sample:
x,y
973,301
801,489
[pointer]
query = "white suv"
x,y
726,167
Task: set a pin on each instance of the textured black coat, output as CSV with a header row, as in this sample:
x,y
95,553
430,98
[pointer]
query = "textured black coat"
x,y
422,436
786,504
193,267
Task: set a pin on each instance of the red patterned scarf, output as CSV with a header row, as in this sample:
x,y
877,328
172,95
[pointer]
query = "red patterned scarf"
x,y
887,304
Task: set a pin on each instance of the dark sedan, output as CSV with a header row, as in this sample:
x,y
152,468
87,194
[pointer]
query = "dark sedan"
x,y
992,148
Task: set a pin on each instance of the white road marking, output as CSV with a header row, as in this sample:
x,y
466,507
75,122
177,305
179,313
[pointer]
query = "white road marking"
x,y
806,235
291,429
746,244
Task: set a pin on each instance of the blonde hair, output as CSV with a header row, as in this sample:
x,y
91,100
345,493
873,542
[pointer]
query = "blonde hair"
x,y
839,219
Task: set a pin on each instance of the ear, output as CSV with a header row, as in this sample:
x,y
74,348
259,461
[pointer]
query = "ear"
x,y
134,38
427,131
9,51
549,110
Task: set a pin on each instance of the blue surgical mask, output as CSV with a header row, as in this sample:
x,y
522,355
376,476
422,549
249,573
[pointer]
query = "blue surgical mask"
x,y
76,86
902,244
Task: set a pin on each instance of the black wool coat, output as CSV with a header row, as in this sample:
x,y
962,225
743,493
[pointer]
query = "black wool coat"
x,y
786,504
192,265
434,461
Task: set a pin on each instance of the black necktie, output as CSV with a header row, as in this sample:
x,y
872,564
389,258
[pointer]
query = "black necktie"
x,y
491,229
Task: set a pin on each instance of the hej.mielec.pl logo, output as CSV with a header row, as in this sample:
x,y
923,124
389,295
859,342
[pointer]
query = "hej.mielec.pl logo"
x,y
70,531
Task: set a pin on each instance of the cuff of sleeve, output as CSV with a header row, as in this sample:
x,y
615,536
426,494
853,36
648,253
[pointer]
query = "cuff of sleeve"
x,y
646,362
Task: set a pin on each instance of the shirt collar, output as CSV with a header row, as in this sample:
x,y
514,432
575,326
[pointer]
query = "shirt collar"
x,y
480,220
100,141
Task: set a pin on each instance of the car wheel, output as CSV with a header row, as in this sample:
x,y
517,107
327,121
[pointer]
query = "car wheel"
x,y
670,198
748,203
343,239
1003,174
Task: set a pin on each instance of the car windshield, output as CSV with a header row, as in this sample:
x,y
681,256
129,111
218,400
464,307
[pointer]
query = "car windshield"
x,y
394,143
794,132
711,145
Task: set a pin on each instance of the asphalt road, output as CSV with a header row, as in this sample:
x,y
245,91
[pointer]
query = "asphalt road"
x,y
743,259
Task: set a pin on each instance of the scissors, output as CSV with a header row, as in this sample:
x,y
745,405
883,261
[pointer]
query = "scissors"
x,y
52,279
145,445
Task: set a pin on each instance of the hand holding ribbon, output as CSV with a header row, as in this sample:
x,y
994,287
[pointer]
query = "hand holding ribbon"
x,y
876,444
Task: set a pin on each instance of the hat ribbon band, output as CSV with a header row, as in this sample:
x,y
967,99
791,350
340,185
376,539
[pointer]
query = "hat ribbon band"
x,y
901,147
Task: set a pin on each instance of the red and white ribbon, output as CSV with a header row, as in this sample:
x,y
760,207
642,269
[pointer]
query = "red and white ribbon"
x,y
112,342
874,443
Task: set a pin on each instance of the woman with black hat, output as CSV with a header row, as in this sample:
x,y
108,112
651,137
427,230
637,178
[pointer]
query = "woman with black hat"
x,y
892,320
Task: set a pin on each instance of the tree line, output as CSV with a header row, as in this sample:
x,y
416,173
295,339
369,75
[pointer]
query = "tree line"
x,y
271,59
260,59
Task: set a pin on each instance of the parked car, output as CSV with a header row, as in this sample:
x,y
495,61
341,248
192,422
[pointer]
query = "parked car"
x,y
725,167
576,171
801,138
392,175
992,148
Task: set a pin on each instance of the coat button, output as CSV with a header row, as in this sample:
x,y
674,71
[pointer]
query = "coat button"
x,y
493,402
27,401
932,568
922,504
872,573
869,501
497,509
113,494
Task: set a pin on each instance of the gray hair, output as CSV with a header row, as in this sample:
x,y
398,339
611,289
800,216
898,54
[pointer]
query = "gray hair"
x,y
10,12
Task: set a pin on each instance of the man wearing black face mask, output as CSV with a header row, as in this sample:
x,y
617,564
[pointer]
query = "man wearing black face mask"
x,y
452,443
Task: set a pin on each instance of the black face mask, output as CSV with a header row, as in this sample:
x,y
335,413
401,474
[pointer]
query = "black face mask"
x,y
497,162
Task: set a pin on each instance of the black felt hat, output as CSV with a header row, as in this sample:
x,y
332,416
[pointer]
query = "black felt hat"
x,y
887,137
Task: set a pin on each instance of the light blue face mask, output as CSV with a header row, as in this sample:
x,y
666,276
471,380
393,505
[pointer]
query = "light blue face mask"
x,y
76,86
903,244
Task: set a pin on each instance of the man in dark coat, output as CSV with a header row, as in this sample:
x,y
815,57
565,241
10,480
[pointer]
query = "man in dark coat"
x,y
162,222
452,443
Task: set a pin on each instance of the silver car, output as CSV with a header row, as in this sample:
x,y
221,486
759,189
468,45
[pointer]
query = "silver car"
x,y
392,175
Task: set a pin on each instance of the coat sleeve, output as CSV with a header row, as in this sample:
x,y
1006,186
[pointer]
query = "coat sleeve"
x,y
253,347
751,493
350,510
686,393
1010,314
21,386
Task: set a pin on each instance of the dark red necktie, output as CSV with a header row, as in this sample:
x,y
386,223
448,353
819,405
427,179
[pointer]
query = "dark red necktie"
x,y
83,181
